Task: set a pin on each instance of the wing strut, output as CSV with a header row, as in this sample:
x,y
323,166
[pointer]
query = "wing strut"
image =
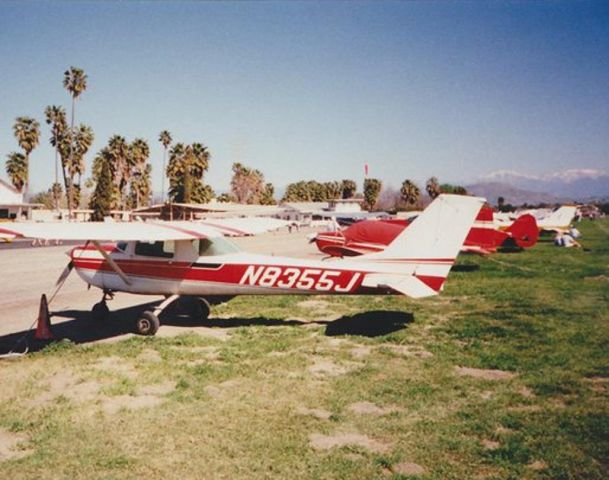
x,y
111,262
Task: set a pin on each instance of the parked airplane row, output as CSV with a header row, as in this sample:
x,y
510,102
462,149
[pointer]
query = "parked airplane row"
x,y
491,231
195,260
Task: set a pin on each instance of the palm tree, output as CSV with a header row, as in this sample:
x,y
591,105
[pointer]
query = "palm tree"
x,y
82,141
120,152
165,139
75,82
17,169
140,171
56,117
433,187
409,192
27,133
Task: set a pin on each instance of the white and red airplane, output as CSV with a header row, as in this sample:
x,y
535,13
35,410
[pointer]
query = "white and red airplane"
x,y
190,259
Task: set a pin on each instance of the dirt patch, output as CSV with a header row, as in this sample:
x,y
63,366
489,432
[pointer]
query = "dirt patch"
x,y
525,408
317,441
158,389
490,444
112,405
327,368
70,386
314,412
116,364
172,331
221,388
368,408
149,356
598,278
484,374
598,384
204,354
538,465
314,305
337,342
361,351
408,350
9,445
407,468
526,392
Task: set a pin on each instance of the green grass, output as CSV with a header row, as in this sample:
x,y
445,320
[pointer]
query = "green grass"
x,y
232,409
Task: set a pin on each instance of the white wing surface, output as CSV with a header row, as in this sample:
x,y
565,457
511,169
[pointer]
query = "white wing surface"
x,y
104,231
237,227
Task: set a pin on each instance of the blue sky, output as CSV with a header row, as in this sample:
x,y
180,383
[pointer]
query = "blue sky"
x,y
305,90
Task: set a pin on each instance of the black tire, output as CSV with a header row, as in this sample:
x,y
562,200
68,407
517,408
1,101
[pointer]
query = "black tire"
x,y
100,312
203,310
197,308
147,324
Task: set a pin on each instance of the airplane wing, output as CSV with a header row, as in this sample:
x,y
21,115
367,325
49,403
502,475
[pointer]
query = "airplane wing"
x,y
104,231
237,227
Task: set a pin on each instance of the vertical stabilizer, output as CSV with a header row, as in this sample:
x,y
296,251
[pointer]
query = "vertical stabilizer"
x,y
423,254
558,219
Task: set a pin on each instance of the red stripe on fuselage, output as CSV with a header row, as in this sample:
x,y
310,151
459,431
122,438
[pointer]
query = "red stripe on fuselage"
x,y
278,276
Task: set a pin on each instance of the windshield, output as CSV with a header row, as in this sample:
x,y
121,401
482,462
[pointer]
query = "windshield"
x,y
215,246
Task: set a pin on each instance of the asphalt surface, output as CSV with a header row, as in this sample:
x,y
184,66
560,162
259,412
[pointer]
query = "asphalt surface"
x,y
26,272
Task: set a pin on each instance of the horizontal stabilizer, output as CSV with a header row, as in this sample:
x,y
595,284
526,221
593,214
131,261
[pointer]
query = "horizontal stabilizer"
x,y
408,285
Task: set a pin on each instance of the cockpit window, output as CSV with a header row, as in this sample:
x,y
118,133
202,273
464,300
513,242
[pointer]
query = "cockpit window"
x,y
215,246
122,246
164,249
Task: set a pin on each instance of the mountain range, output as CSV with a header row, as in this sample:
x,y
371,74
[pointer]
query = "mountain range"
x,y
558,187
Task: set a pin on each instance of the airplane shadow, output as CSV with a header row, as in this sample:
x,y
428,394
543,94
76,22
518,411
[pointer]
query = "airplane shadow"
x,y
466,267
81,328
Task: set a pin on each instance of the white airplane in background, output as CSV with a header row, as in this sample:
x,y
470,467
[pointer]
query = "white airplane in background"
x,y
559,220
191,259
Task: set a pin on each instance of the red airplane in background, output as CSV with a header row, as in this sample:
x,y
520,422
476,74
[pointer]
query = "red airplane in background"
x,y
485,236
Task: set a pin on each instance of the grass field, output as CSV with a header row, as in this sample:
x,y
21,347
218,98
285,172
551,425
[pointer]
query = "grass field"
x,y
505,375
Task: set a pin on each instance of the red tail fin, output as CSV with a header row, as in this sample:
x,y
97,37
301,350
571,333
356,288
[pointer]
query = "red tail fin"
x,y
524,231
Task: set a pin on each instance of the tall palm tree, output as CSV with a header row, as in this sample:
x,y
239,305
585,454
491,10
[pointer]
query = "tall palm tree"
x,y
410,192
433,187
27,133
119,149
176,172
165,139
16,169
82,140
56,117
140,171
75,82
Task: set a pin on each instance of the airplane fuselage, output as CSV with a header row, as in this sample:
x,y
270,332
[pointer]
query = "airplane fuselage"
x,y
238,273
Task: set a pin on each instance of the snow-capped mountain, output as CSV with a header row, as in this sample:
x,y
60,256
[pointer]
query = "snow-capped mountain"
x,y
576,184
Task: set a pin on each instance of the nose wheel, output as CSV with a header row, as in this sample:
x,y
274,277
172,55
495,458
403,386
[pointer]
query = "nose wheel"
x,y
147,324
100,311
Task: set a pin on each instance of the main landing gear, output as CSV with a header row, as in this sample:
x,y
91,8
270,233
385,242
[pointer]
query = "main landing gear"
x,y
148,322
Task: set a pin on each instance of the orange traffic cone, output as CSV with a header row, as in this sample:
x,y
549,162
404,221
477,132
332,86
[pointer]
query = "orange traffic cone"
x,y
43,328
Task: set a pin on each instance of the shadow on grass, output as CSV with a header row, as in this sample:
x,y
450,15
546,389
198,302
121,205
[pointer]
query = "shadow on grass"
x,y
79,327
466,267
370,324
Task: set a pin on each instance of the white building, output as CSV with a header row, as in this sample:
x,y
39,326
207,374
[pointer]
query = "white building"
x,y
11,201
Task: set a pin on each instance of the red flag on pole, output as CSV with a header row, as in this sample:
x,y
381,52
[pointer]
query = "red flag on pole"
x,y
366,169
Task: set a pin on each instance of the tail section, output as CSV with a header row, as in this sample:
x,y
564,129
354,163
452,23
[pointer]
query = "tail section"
x,y
559,219
524,231
424,253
